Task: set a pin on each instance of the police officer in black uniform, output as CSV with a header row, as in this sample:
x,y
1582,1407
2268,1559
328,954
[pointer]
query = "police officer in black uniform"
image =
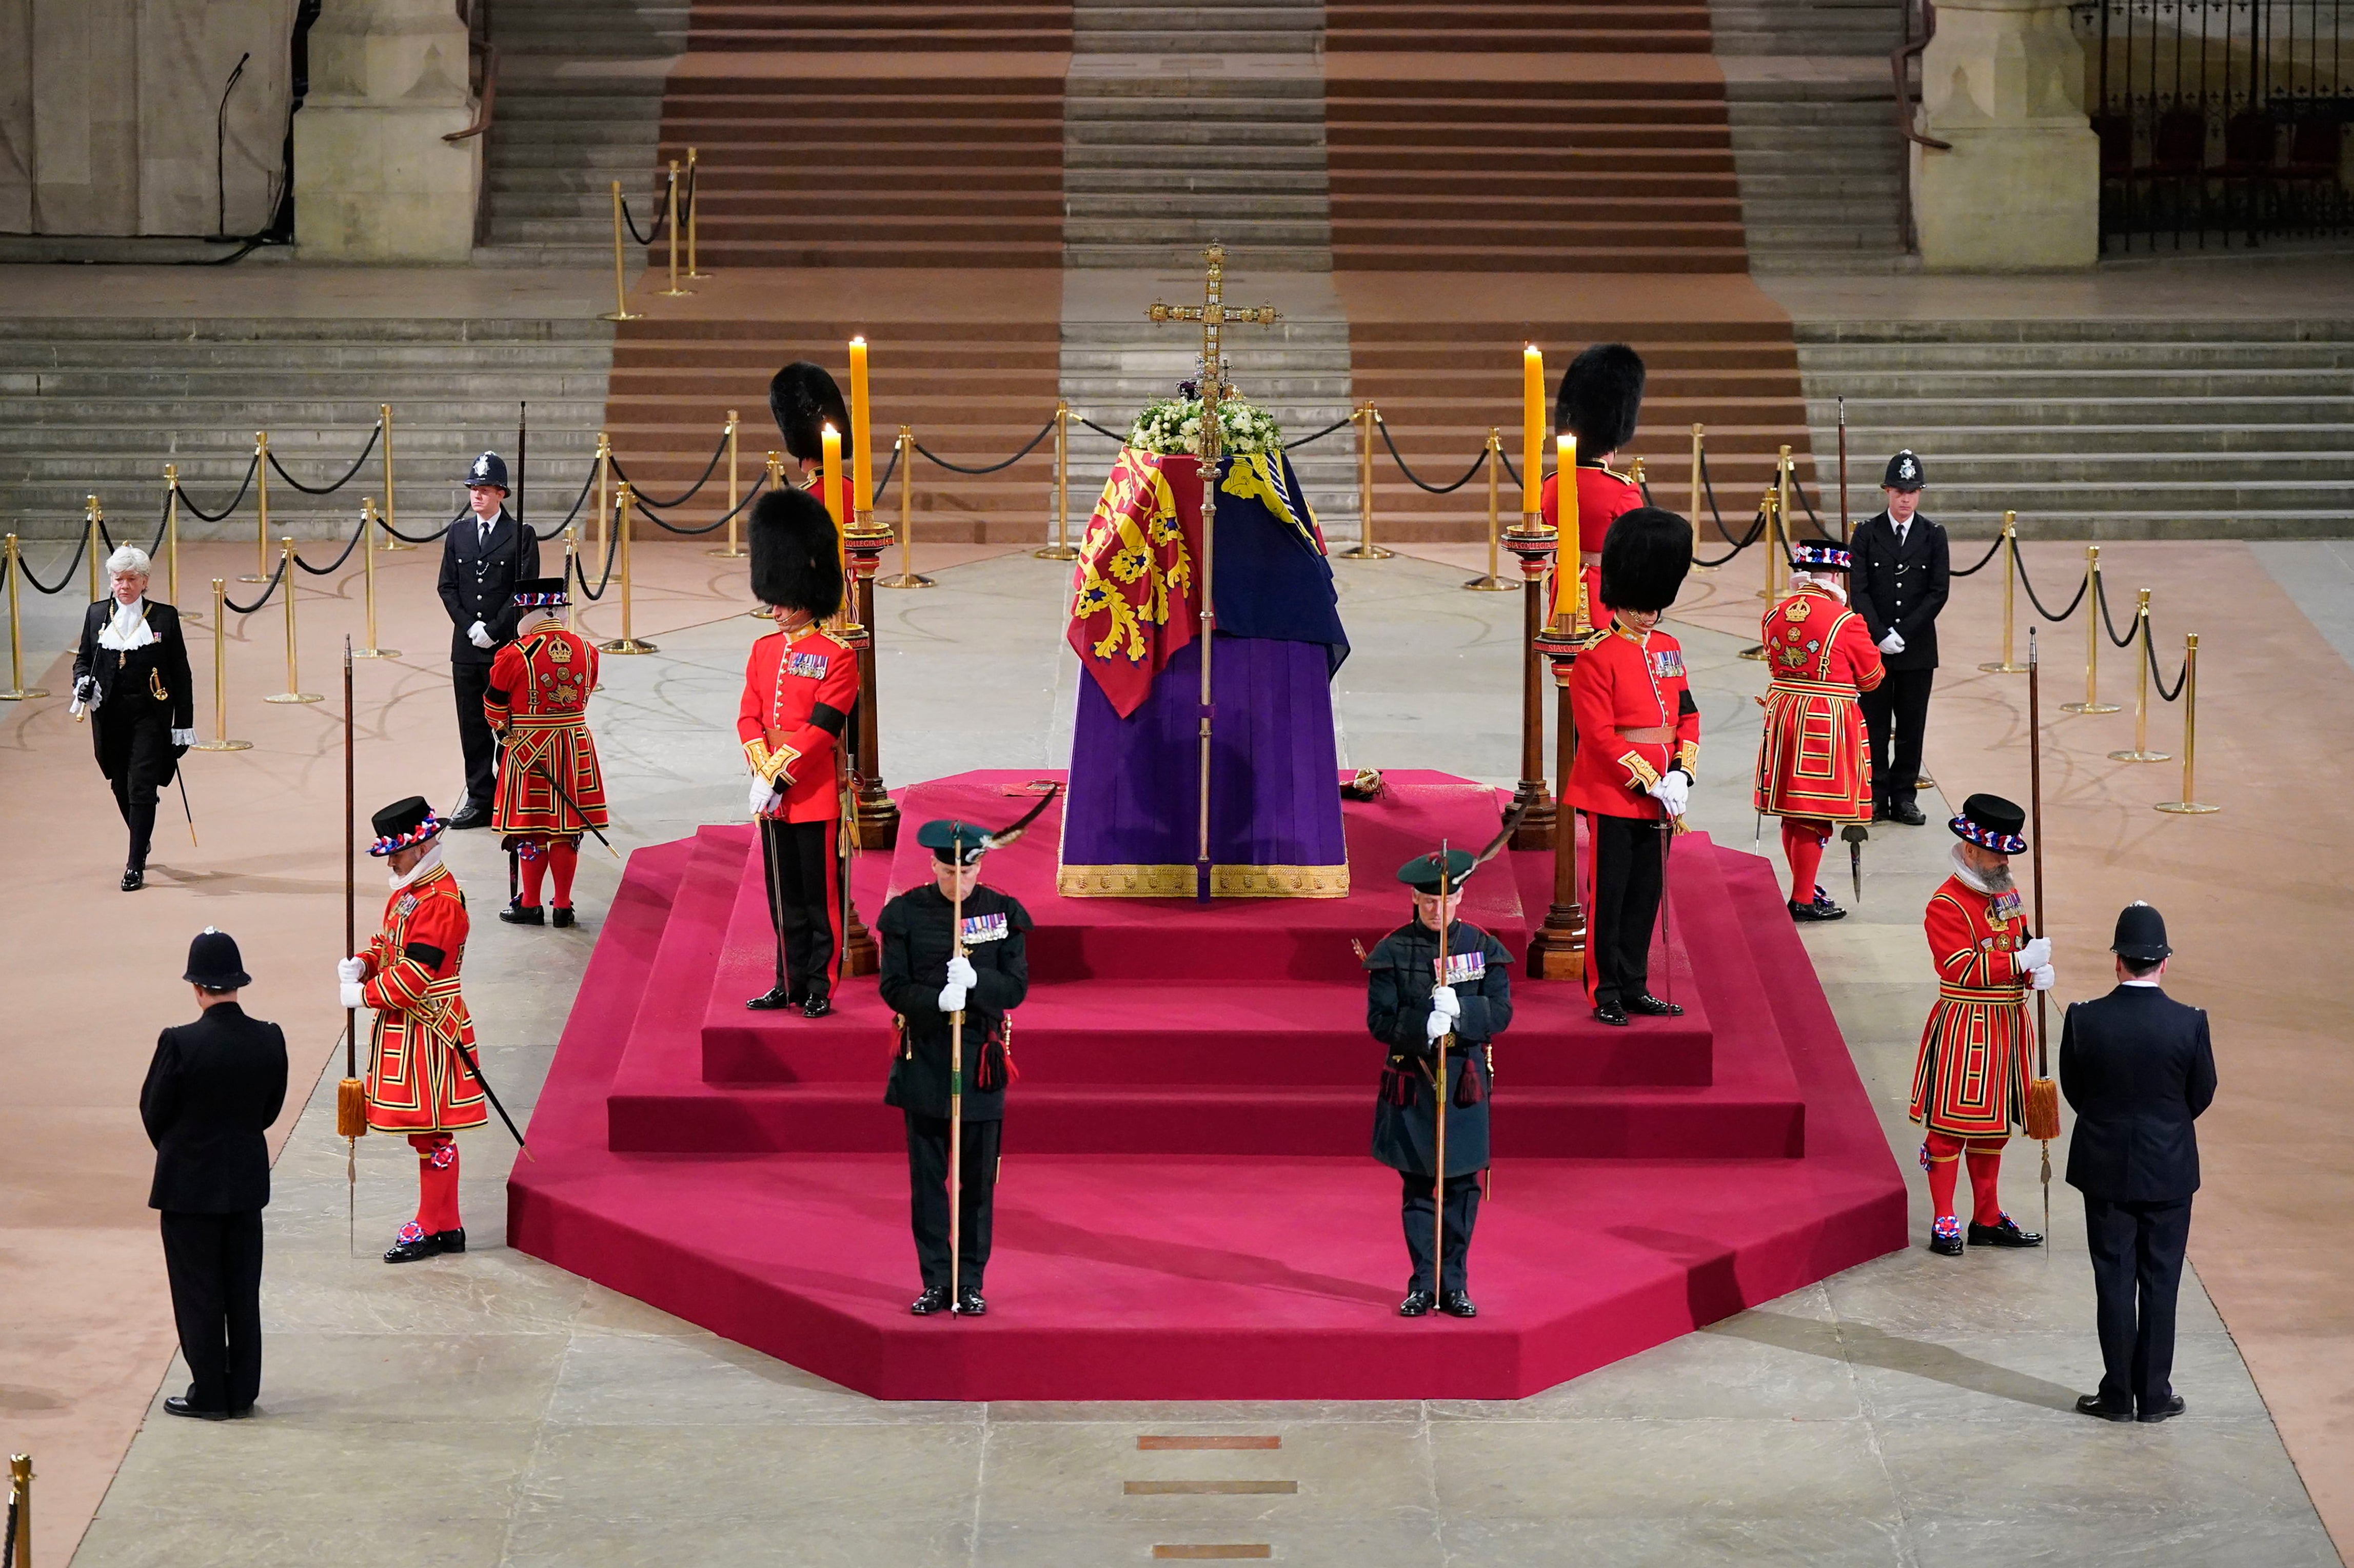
x,y
1898,585
485,555
924,983
1408,1010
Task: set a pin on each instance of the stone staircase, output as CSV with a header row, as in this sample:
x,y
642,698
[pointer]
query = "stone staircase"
x,y
1797,29
1182,125
579,106
101,405
2105,429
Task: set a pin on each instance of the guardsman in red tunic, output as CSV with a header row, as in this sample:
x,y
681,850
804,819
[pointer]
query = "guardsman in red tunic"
x,y
1969,1083
1637,745
804,398
550,787
1812,769
800,688
419,1081
1601,397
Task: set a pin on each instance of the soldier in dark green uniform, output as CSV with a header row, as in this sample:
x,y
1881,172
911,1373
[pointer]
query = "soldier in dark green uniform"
x,y
924,983
1408,1010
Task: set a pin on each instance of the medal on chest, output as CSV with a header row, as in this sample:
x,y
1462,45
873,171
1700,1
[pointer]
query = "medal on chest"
x,y
1464,967
1667,663
806,666
979,929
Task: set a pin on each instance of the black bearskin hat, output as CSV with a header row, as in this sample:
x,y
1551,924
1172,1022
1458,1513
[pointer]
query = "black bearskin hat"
x,y
805,400
796,561
1601,394
1644,559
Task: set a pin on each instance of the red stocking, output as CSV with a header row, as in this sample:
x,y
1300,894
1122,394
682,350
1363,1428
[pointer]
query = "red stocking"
x,y
1986,1169
1943,1155
1802,843
532,856
436,1182
563,859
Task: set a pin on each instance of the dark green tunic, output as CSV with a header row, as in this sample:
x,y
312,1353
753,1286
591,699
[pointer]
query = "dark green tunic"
x,y
1399,976
914,929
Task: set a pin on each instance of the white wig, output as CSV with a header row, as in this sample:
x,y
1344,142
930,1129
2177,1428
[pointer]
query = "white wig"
x,y
128,558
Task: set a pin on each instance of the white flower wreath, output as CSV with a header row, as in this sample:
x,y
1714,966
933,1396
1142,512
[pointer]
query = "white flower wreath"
x,y
1173,426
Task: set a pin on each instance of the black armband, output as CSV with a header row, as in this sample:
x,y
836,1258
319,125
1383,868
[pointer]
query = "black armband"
x,y
827,718
425,953
1685,706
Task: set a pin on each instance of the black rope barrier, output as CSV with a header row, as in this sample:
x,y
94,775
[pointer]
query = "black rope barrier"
x,y
162,527
2082,584
883,483
2108,625
331,566
1112,435
719,521
267,589
1344,419
612,547
661,215
1756,527
365,452
422,538
80,545
8,1536
1510,471
1708,490
1982,560
190,501
1477,464
577,502
1820,532
692,491
2182,675
1043,431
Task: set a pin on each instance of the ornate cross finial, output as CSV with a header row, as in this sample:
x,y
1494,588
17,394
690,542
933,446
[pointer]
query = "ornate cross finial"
x,y
1212,313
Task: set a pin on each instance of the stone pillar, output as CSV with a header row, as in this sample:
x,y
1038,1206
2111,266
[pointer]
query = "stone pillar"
x,y
2003,81
373,179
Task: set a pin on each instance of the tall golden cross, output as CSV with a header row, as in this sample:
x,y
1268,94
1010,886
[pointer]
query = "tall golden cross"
x,y
1212,313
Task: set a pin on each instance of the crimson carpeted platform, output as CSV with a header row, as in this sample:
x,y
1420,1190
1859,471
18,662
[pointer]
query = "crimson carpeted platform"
x,y
1187,1209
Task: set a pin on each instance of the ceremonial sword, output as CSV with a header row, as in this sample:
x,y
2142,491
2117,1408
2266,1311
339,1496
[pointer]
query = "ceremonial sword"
x,y
549,779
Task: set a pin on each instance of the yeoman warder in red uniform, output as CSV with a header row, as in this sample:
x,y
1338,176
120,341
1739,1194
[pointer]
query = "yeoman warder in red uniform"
x,y
550,788
1812,769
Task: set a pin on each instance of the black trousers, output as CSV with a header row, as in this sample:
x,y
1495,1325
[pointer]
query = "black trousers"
x,y
1626,883
214,1261
804,903
135,752
1462,1211
1894,713
2136,1269
469,682
927,1197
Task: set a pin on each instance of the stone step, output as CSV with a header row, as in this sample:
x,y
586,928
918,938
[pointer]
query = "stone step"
x,y
2167,359
1993,443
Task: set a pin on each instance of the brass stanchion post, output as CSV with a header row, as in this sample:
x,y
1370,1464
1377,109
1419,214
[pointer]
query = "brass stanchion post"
x,y
1364,549
293,691
1488,582
621,311
367,561
98,584
17,691
1062,549
2141,751
671,195
907,577
1533,540
1766,507
20,1503
172,537
693,210
2189,805
1695,481
220,740
2009,589
732,550
604,493
1778,562
392,541
2092,703
571,578
262,508
626,643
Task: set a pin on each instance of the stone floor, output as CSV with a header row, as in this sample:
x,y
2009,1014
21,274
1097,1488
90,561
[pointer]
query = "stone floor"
x,y
492,1410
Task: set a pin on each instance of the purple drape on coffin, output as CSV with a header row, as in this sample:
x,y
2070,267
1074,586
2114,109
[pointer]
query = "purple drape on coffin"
x,y
1274,796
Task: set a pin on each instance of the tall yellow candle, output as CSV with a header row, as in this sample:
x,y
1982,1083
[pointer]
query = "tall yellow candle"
x,y
829,477
862,492
1533,429
1568,578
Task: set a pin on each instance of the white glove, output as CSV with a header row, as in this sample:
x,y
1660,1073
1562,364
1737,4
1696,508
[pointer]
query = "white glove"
x,y
1442,999
351,971
2036,954
763,795
960,972
951,999
1438,1024
2044,978
86,690
184,737
479,635
1891,643
348,996
1674,791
